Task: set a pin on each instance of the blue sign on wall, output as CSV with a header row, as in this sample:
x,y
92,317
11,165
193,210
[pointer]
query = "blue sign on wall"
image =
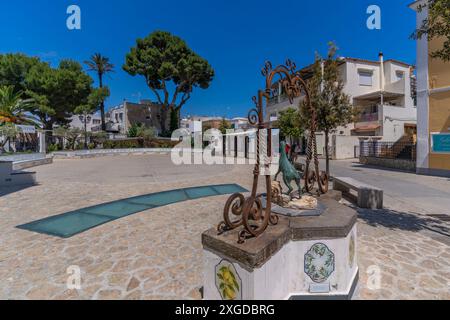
x,y
440,142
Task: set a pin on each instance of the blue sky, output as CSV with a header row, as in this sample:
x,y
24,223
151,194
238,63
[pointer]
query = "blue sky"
x,y
236,37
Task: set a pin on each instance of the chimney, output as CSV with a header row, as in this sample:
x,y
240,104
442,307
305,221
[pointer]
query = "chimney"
x,y
381,71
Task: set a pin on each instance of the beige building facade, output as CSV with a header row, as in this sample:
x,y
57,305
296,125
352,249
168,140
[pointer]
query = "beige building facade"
x,y
433,98
120,118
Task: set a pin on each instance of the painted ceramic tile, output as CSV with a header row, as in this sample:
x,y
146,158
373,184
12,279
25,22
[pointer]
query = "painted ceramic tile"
x,y
351,251
228,281
319,263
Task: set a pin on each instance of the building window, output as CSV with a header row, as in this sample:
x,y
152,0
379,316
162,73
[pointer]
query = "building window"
x,y
96,121
400,75
365,78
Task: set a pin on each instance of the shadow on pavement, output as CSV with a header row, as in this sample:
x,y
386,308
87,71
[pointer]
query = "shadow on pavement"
x,y
8,190
367,166
396,220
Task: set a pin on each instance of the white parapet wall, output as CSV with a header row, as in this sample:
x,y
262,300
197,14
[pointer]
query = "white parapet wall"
x,y
344,147
289,273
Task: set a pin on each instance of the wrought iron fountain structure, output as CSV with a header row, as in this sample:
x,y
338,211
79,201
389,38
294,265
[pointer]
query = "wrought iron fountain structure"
x,y
248,211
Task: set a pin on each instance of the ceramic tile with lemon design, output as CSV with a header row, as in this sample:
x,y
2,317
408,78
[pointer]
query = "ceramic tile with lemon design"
x,y
227,281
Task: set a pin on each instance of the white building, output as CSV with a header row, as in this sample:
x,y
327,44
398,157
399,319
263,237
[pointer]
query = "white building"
x,y
93,122
383,93
115,119
239,123
195,123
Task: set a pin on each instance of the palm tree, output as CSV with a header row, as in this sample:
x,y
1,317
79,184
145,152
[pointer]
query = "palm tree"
x,y
102,66
14,109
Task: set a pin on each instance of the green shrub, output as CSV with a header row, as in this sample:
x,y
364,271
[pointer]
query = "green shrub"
x,y
52,147
79,146
159,143
133,130
139,143
98,138
123,144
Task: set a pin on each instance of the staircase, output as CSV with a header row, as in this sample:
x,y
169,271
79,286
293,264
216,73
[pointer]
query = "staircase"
x,y
404,148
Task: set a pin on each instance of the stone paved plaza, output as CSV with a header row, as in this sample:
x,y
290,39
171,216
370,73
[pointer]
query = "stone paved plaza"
x,y
157,254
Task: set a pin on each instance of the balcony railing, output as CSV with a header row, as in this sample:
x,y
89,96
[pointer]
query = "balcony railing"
x,y
367,117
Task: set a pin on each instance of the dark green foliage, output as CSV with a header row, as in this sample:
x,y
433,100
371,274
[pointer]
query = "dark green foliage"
x,y
52,147
14,69
56,92
101,65
332,105
168,64
224,126
133,131
290,124
436,26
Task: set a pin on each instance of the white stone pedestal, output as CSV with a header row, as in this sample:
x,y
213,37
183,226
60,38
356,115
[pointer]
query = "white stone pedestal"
x,y
300,258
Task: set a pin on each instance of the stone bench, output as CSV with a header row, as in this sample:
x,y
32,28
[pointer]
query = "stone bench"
x,y
10,177
369,197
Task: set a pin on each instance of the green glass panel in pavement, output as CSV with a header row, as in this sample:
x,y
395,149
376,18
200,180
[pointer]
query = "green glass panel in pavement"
x,y
117,209
161,198
72,223
228,188
66,225
201,192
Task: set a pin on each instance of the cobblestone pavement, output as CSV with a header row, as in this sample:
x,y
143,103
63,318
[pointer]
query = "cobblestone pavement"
x,y
157,254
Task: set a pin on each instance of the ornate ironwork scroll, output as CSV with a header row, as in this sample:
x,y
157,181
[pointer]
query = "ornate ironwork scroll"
x,y
248,211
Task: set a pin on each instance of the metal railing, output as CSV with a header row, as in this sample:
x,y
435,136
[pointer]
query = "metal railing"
x,y
367,117
388,150
277,99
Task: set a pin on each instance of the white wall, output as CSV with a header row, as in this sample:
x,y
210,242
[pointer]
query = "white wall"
x,y
422,96
352,86
77,123
343,147
394,129
195,126
277,108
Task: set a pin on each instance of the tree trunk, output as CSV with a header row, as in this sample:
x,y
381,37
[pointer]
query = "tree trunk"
x,y
3,144
102,106
163,121
327,155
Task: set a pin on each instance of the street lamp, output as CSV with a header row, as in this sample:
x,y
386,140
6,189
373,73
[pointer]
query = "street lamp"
x,y
85,120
